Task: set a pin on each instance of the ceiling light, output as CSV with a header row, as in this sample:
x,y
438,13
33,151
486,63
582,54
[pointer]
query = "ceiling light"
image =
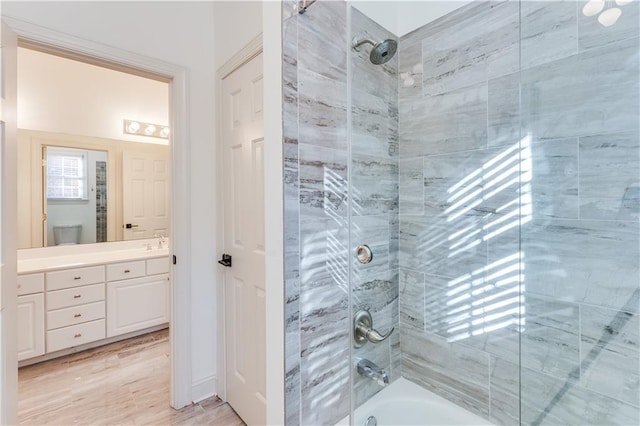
x,y
164,133
609,16
593,7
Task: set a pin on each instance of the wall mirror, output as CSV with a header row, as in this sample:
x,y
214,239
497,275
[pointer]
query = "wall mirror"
x,y
80,189
91,166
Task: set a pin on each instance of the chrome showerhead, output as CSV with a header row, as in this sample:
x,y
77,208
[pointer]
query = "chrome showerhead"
x,y
381,53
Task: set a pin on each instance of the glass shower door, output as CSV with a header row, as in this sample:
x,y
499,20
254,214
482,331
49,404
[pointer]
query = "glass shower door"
x,y
579,123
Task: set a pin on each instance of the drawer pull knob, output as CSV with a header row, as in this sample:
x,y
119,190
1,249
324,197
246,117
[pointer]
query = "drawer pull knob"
x,y
77,315
77,335
126,271
77,296
76,278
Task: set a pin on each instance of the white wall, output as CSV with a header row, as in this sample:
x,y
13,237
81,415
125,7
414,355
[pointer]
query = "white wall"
x,y
180,33
60,95
402,17
237,22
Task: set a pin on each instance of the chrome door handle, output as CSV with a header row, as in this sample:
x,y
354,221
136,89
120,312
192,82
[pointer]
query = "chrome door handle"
x,y
363,330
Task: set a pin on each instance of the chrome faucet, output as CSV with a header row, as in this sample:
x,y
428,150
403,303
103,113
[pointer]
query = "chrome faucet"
x,y
369,369
161,240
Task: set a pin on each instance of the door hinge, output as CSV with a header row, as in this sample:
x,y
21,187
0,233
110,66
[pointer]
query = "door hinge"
x,y
175,259
44,162
44,217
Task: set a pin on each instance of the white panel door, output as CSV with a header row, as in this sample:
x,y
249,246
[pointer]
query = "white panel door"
x,y
243,133
145,195
30,326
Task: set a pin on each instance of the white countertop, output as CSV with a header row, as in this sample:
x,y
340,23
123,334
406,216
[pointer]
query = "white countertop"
x,y
42,260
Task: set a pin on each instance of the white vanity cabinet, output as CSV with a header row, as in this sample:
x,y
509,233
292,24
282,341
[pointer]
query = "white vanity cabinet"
x,y
137,303
62,308
30,316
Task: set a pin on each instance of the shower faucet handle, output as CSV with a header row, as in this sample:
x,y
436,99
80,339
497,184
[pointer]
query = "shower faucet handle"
x,y
363,330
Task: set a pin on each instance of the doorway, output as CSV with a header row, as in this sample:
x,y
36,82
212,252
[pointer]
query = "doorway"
x,y
180,392
78,162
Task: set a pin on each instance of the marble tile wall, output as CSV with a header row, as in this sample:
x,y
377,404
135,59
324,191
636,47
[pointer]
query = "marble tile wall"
x,y
317,228
316,213
519,209
374,208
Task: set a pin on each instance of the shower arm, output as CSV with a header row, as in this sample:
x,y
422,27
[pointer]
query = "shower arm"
x,y
356,43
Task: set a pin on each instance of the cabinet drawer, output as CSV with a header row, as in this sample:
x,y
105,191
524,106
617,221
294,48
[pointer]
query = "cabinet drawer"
x,y
29,284
125,270
75,315
75,277
74,296
75,335
158,266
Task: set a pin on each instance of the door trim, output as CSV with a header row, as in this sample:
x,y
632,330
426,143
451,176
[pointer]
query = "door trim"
x,y
181,386
243,56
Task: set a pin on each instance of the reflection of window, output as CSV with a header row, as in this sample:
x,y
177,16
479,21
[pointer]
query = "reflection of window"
x,y
66,174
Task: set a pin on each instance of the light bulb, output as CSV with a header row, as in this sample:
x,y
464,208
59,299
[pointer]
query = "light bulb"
x,y
133,127
593,7
150,129
609,16
623,2
408,82
164,133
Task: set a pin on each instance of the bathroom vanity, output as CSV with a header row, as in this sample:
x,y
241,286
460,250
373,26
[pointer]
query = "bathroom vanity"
x,y
77,297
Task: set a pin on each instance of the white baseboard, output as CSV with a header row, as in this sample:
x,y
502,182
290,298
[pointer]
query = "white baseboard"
x,y
203,388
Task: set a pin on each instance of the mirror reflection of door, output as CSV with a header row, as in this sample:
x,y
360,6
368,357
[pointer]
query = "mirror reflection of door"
x,y
74,196
145,194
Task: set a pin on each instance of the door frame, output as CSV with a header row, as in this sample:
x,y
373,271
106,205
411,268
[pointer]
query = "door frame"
x,y
177,76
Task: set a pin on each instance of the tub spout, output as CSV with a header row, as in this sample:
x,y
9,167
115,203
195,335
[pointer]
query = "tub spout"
x,y
369,369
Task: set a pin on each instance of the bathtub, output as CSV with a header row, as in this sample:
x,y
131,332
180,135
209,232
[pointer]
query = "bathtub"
x,y
405,403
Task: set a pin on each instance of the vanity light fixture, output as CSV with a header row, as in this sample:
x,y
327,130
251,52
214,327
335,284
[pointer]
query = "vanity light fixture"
x,y
138,128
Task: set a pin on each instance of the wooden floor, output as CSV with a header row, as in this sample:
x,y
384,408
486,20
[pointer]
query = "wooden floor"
x,y
122,383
